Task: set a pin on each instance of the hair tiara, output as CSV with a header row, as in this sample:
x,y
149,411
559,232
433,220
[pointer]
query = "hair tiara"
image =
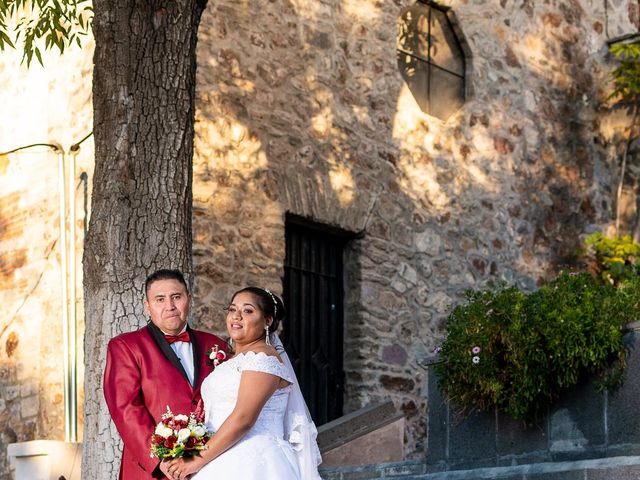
x,y
275,304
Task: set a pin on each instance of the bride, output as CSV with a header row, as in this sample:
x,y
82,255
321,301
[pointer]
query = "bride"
x,y
253,403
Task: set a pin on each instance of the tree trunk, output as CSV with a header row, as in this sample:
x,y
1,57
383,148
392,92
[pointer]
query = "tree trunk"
x,y
144,103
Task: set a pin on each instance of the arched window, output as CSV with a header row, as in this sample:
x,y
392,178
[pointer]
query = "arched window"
x,y
431,58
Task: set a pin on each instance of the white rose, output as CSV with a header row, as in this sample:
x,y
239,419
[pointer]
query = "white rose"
x,y
181,418
199,431
183,434
163,430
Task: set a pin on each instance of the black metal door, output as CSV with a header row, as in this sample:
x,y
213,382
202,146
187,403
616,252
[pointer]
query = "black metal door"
x,y
313,328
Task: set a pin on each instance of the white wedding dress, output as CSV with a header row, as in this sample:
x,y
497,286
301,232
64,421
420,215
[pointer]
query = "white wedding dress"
x,y
263,453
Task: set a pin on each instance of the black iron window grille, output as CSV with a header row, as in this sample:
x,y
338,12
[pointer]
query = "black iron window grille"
x,y
431,58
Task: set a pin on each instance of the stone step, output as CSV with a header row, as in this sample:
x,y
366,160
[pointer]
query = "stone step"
x,y
373,434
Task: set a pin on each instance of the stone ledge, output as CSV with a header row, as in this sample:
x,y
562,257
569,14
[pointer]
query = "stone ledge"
x,y
46,460
405,469
620,468
356,424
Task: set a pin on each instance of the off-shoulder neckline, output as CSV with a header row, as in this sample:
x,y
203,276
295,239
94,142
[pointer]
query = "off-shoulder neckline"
x,y
255,354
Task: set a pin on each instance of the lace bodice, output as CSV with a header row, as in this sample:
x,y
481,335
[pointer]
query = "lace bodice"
x,y
220,392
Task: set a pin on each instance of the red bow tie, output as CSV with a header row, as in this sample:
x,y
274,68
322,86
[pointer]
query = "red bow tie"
x,y
183,337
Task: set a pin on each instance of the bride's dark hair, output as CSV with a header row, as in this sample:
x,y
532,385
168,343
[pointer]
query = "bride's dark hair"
x,y
270,304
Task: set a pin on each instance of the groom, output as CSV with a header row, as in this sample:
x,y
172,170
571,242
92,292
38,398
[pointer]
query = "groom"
x,y
160,365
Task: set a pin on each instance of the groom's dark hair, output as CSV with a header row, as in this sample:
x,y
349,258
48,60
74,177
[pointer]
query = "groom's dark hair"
x,y
164,274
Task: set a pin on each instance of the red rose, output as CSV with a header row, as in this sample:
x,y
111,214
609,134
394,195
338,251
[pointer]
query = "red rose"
x,y
170,441
158,439
190,443
180,424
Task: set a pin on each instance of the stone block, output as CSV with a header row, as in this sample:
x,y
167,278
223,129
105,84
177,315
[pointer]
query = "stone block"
x,y
472,440
576,455
515,438
627,472
570,475
437,418
565,434
428,242
330,475
370,435
577,420
358,474
384,444
523,459
622,410
404,468
623,451
28,389
455,464
12,392
30,406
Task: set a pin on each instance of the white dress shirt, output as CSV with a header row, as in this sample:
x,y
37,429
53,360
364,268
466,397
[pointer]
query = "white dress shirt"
x,y
184,351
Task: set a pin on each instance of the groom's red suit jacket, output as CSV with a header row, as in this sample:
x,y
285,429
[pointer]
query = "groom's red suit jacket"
x,y
142,377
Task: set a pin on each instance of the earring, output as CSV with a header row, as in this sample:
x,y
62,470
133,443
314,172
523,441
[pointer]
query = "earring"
x,y
267,339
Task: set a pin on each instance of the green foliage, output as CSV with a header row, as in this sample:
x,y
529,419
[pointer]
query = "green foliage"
x,y
518,351
57,23
627,75
627,90
613,259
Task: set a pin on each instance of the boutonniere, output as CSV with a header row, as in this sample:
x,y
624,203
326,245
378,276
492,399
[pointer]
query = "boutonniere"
x,y
215,356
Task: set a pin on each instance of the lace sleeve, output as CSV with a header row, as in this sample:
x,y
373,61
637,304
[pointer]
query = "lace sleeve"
x,y
261,362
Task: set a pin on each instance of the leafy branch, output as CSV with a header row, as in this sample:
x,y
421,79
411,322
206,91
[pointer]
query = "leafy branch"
x,y
43,25
626,79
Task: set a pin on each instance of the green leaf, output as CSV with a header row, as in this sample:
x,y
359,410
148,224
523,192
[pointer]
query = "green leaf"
x,y
44,24
39,56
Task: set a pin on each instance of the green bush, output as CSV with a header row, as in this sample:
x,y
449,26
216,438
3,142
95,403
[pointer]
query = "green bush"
x,y
518,351
613,259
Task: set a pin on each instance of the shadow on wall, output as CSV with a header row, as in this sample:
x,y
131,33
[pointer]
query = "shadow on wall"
x,y
303,111
295,121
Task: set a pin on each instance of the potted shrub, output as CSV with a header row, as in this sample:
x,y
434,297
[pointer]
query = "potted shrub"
x,y
518,351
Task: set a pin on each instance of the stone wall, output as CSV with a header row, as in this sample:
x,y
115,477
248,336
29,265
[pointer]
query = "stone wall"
x,y
51,105
581,424
301,109
585,435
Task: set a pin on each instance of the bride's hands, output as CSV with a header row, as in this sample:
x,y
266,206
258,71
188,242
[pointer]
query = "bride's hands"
x,y
164,468
181,469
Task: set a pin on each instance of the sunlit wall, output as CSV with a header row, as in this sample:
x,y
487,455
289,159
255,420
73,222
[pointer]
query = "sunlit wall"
x,y
50,105
302,109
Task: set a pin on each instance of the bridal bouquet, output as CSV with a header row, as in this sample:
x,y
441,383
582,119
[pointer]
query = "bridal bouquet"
x,y
179,436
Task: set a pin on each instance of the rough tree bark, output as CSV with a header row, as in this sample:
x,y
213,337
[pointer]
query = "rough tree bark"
x,y
144,102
